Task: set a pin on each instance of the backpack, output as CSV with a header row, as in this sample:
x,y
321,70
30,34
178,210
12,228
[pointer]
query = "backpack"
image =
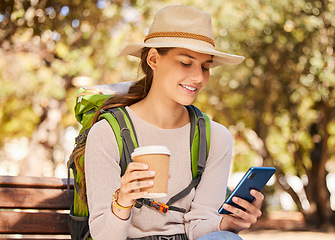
x,y
88,102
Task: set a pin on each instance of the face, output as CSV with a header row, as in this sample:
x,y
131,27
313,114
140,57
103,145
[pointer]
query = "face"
x,y
179,74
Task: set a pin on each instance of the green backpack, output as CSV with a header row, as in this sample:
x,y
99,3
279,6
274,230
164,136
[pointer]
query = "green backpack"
x,y
88,102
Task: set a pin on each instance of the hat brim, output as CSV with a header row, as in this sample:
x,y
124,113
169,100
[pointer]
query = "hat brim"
x,y
219,58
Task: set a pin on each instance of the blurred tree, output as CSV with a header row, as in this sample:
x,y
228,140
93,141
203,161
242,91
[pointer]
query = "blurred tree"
x,y
278,104
48,49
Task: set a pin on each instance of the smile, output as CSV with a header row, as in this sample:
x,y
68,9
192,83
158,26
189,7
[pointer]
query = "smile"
x,y
189,88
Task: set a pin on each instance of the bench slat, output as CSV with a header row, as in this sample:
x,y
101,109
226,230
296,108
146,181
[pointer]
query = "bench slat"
x,y
35,198
28,206
33,223
34,182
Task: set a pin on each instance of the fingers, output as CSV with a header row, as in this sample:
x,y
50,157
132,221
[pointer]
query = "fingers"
x,y
137,185
239,220
136,172
135,166
135,178
236,212
251,209
244,219
234,224
259,198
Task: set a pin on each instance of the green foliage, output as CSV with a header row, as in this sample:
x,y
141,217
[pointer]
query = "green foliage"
x,y
286,76
278,104
284,91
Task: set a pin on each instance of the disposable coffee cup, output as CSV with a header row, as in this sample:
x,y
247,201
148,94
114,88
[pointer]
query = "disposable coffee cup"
x,y
157,158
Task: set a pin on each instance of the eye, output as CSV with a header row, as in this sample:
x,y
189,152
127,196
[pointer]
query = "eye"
x,y
185,64
205,68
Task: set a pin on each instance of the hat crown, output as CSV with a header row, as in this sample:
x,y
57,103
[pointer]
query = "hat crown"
x,y
179,26
179,18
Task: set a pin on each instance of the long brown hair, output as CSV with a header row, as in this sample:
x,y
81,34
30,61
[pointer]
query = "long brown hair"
x,y
136,93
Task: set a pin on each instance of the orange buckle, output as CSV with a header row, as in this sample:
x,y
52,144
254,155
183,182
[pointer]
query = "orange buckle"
x,y
162,207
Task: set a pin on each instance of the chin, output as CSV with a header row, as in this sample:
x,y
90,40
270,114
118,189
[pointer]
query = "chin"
x,y
185,103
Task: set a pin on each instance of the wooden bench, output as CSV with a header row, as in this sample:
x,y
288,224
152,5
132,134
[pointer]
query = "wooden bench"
x,y
34,207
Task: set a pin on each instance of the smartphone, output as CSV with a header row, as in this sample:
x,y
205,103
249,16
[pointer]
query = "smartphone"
x,y
255,178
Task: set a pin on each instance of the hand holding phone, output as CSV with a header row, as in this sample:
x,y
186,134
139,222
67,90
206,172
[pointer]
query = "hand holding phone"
x,y
255,178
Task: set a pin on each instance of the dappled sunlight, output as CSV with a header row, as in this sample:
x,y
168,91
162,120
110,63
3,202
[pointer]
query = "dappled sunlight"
x,y
278,104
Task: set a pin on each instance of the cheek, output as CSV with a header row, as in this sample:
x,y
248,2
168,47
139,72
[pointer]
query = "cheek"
x,y
168,68
206,78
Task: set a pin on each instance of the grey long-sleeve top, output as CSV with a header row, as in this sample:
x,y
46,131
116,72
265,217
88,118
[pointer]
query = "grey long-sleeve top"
x,y
103,178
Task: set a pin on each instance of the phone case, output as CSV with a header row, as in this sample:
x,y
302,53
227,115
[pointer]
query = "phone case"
x,y
255,178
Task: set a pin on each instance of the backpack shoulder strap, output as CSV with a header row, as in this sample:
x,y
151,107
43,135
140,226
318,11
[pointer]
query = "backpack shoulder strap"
x,y
200,142
199,139
124,131
126,138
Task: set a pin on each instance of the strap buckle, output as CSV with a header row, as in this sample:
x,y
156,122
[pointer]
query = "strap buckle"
x,y
162,207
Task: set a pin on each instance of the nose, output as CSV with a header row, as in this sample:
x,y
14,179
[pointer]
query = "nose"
x,y
197,74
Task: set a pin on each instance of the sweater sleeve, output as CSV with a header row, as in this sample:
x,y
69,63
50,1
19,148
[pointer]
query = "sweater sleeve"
x,y
102,173
203,218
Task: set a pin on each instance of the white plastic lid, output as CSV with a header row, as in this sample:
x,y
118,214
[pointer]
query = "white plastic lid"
x,y
155,149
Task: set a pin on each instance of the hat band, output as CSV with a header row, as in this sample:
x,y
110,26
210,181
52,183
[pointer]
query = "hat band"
x,y
180,34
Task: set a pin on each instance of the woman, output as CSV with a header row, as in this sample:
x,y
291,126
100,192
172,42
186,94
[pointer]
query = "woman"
x,y
175,57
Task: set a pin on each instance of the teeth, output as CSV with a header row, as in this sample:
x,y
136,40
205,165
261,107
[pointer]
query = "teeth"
x,y
189,88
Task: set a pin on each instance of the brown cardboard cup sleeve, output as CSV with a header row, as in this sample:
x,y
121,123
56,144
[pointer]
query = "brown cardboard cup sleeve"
x,y
157,158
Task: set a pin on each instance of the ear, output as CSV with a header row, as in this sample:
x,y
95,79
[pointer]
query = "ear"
x,y
152,58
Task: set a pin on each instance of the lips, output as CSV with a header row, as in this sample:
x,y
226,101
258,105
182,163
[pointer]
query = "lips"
x,y
193,89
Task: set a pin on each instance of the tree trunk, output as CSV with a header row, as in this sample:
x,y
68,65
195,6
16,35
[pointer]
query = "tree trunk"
x,y
43,141
318,193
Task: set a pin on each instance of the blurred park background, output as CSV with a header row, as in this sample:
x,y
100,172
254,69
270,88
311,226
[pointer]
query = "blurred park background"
x,y
278,104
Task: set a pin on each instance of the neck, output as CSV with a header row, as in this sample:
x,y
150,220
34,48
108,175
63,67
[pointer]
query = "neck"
x,y
161,115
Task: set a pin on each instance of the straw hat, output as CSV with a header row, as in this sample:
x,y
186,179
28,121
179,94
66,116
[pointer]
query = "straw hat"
x,y
183,27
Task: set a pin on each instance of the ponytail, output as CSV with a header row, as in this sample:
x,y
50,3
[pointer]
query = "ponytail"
x,y
138,91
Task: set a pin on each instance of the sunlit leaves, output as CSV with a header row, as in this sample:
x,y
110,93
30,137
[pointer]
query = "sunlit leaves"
x,y
288,49
276,92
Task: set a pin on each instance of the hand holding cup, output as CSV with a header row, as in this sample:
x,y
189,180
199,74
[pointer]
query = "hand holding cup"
x,y
157,159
